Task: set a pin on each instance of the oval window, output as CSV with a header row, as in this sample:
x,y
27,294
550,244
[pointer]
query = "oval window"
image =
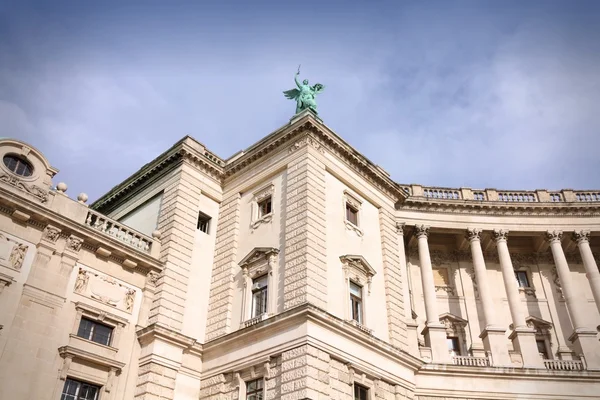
x,y
17,165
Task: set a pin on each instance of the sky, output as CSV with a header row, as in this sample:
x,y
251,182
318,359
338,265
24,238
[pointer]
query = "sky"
x,y
480,94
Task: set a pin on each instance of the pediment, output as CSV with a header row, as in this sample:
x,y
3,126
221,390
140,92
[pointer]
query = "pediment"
x,y
359,263
453,319
537,322
258,254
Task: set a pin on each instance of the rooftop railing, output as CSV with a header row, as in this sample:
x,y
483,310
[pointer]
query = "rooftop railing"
x,y
122,233
502,196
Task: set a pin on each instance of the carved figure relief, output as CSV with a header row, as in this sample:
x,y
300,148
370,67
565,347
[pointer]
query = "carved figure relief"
x,y
51,234
82,281
153,277
74,243
105,289
17,255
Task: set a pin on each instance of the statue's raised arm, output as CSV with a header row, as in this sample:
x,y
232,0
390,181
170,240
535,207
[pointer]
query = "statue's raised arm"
x,y
304,94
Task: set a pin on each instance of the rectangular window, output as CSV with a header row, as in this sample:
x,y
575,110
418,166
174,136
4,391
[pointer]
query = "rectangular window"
x,y
351,214
76,390
356,302
264,207
255,389
259,296
453,346
542,349
522,279
360,392
203,222
95,331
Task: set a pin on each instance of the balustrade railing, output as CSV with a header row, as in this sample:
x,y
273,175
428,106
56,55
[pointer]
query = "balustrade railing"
x,y
564,365
121,232
587,196
517,197
255,320
470,361
439,193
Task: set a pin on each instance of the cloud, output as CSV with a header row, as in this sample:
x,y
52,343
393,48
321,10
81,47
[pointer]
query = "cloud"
x,y
466,98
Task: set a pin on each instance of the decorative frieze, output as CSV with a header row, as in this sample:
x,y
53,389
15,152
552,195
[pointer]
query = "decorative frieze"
x,y
12,252
40,193
104,289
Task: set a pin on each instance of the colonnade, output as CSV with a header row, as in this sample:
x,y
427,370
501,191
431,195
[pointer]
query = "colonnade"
x,y
523,337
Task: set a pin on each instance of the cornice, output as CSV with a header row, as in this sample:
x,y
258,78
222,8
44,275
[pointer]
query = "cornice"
x,y
501,208
157,331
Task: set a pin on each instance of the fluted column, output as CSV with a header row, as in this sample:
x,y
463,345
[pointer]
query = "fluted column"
x,y
435,332
583,337
492,334
523,337
582,238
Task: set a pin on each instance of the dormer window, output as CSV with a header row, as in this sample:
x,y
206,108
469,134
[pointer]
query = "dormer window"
x,y
17,165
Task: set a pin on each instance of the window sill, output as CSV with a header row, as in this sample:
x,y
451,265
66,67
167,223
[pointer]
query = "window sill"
x,y
254,320
265,219
350,226
91,346
529,291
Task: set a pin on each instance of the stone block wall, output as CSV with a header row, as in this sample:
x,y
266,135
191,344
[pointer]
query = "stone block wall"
x,y
224,269
393,279
305,237
177,222
155,382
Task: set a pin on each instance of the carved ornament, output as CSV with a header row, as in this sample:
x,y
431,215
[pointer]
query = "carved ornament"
x,y
51,234
473,234
581,236
38,192
500,234
553,236
422,231
74,243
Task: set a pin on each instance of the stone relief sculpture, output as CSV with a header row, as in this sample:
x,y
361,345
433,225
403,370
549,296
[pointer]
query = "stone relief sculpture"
x,y
17,255
82,281
51,234
129,298
74,243
305,95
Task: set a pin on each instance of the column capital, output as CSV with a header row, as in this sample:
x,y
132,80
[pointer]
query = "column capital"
x,y
400,228
553,236
581,236
473,234
421,231
500,234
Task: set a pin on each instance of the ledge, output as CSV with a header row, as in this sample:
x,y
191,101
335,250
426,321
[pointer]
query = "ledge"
x,y
66,351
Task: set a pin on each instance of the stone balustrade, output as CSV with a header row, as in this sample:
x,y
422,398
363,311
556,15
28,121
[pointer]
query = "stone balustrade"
x,y
470,361
122,233
587,196
517,197
504,196
564,365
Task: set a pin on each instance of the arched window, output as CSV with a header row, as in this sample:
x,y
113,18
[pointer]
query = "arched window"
x,y
17,165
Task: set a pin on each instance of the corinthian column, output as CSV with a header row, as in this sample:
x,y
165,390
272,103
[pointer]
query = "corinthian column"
x,y
583,338
591,269
435,332
523,337
492,334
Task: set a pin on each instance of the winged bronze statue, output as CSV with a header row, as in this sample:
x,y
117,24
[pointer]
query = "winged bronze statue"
x,y
305,95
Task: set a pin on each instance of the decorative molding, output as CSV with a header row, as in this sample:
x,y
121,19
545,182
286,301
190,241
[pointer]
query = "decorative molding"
x,y
354,202
36,191
153,277
105,289
473,234
358,269
500,234
422,231
470,270
308,140
581,236
556,280
74,243
258,196
553,236
400,228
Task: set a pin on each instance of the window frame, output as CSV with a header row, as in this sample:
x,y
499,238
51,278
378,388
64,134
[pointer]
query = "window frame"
x,y
203,220
526,275
259,392
262,293
354,299
77,395
86,311
351,202
19,160
455,339
358,386
92,332
265,207
264,195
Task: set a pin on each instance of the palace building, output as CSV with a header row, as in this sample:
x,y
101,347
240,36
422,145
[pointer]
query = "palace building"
x,y
295,269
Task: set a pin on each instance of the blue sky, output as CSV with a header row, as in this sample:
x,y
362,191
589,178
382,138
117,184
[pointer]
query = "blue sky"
x,y
449,93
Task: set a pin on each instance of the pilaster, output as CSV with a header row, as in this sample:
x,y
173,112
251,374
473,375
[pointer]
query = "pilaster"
x,y
305,226
221,289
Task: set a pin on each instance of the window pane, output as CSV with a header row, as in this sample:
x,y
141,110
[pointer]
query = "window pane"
x,y
351,214
355,290
85,329
75,390
356,309
453,345
264,207
522,278
102,334
360,392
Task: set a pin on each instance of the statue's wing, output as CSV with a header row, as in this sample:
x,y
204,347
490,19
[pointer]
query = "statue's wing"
x,y
291,94
318,88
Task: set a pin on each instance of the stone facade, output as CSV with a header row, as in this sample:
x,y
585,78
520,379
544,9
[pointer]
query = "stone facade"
x,y
295,269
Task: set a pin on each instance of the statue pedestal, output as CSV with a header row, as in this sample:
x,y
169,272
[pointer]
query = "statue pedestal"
x,y
303,114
